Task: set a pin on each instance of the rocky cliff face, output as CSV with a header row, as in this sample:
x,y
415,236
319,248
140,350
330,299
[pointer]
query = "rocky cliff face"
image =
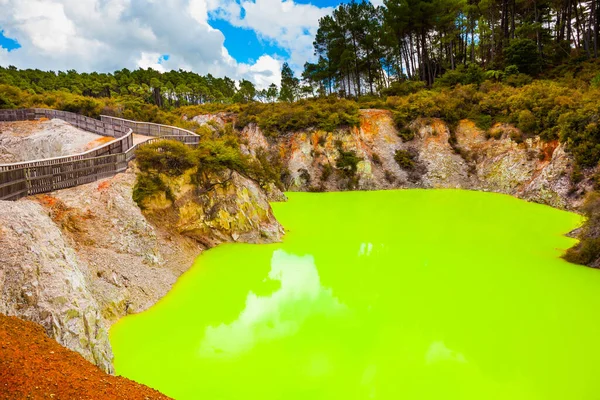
x,y
79,259
469,159
226,207
41,280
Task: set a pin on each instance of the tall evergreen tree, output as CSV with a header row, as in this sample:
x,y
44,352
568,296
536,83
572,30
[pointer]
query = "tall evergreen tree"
x,y
290,85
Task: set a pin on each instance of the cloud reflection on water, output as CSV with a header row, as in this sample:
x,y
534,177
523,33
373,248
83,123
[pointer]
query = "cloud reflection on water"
x,y
280,314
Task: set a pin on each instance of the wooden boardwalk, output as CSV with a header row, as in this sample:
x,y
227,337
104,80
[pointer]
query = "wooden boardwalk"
x,y
40,176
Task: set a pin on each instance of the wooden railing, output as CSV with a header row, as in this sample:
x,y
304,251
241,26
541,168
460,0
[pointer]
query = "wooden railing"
x,y
40,176
98,127
155,130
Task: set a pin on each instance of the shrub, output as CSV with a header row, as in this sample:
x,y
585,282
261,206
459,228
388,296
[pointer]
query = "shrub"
x,y
403,88
576,175
316,189
516,136
595,82
322,140
347,163
279,118
167,157
218,155
587,251
405,159
82,105
268,167
584,253
524,54
494,133
406,134
483,121
472,74
518,80
5,101
511,70
527,122
147,185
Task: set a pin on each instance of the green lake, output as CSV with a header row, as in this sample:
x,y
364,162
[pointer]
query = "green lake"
x,y
408,294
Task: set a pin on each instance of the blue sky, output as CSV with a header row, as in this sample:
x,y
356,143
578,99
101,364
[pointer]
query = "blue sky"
x,y
322,3
244,44
8,43
243,39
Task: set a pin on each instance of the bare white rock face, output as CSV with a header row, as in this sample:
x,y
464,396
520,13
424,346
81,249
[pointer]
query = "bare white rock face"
x,y
40,281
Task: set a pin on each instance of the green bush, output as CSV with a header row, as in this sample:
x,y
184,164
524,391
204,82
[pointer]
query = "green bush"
x,y
518,80
527,122
347,163
587,251
516,136
405,159
403,88
406,134
267,168
524,54
147,185
483,121
276,119
472,74
167,157
218,155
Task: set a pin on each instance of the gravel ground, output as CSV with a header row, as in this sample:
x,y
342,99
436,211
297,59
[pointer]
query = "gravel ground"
x,y
32,140
33,366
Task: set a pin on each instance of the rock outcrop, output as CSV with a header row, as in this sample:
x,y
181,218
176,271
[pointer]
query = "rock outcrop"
x,y
226,207
41,280
465,157
79,259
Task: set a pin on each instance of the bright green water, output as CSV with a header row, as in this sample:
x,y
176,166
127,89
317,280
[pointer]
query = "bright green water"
x,y
380,295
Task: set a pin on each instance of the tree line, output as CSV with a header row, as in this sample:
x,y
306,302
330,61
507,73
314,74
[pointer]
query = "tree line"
x,y
363,49
165,90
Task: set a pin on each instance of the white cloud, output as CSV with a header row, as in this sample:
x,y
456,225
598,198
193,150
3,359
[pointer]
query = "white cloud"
x,y
264,71
105,35
151,60
289,25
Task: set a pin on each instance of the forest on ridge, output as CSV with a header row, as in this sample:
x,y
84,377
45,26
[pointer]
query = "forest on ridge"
x,y
362,49
365,49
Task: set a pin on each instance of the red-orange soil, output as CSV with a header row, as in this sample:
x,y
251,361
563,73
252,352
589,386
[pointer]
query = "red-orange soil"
x,y
33,366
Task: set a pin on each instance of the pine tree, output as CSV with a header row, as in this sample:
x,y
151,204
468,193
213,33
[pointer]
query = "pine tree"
x,y
290,85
